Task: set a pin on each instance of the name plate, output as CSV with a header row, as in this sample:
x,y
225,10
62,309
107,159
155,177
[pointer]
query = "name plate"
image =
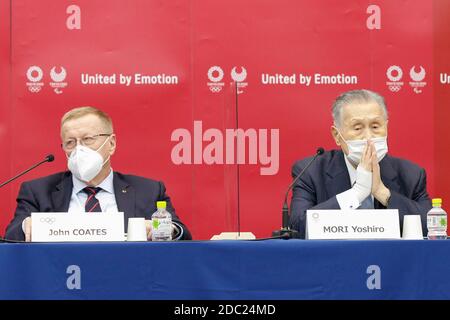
x,y
65,227
352,224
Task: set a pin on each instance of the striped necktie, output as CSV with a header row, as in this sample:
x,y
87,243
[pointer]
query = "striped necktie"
x,y
92,204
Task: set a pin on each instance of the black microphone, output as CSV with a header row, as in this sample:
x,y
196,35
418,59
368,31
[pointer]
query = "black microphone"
x,y
286,232
48,158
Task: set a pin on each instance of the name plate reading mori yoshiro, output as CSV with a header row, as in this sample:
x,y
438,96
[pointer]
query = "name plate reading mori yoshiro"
x,y
62,226
352,224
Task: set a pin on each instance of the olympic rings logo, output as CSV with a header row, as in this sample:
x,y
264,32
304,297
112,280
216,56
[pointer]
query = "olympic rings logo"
x,y
48,220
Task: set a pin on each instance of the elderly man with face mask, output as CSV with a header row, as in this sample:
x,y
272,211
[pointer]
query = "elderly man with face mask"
x,y
361,175
90,185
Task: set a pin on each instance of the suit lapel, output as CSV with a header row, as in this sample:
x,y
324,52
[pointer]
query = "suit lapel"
x,y
125,197
62,193
338,179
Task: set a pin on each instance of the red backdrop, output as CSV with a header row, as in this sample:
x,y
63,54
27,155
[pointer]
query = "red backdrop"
x,y
185,39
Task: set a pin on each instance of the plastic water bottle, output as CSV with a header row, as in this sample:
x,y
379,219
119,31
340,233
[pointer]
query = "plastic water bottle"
x,y
437,221
161,223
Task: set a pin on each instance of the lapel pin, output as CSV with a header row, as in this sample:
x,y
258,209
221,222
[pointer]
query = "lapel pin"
x,y
124,190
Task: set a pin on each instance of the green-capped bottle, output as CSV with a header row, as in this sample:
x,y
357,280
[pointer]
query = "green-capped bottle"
x,y
437,221
161,223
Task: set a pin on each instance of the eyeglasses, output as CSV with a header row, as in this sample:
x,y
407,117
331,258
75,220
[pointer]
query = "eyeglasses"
x,y
85,141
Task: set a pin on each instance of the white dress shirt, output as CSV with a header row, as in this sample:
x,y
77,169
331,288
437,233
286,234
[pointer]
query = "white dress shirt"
x,y
105,196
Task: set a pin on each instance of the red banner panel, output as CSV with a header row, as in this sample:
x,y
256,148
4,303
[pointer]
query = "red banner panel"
x,y
219,98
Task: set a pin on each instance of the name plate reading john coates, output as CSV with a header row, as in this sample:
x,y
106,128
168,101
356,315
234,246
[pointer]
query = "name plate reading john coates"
x,y
69,227
352,224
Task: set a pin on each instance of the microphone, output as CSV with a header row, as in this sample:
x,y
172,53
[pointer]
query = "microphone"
x,y
48,158
286,232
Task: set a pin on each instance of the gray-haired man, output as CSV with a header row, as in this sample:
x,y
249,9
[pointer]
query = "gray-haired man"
x,y
360,175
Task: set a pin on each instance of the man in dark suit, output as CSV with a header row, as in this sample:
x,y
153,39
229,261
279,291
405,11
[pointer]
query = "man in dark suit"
x,y
90,185
361,174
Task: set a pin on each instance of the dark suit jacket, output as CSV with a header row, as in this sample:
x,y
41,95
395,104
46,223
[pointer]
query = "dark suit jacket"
x,y
328,176
135,196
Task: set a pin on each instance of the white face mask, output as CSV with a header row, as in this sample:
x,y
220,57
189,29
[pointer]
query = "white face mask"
x,y
85,163
356,148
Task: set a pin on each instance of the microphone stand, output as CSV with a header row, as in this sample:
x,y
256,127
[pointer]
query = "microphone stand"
x,y
29,169
285,232
48,158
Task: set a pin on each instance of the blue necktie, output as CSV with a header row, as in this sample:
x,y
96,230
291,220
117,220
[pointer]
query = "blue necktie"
x,y
367,203
92,204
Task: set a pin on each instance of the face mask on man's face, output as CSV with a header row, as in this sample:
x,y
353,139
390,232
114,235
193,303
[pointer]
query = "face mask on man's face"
x,y
356,148
85,163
